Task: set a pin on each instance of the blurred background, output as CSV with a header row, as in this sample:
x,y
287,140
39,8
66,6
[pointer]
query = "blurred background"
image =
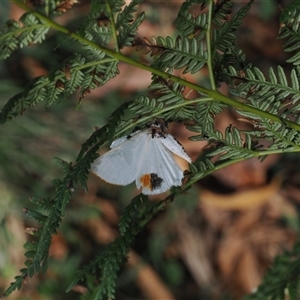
x,y
213,242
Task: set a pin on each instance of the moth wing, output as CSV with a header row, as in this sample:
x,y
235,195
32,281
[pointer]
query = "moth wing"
x,y
174,146
123,139
160,166
119,165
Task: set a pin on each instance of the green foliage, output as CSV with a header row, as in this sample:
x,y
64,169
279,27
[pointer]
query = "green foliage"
x,y
204,40
290,30
283,275
29,29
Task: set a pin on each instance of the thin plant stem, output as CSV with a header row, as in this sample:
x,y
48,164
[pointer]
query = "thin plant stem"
x,y
121,57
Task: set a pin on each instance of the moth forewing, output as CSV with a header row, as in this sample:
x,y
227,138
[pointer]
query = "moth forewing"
x,y
158,170
146,157
123,139
118,166
174,146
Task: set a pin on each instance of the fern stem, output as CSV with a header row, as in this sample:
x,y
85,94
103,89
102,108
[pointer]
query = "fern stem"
x,y
93,63
208,47
220,166
144,119
119,56
112,24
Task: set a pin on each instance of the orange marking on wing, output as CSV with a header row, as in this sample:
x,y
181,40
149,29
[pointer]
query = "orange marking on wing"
x,y
146,181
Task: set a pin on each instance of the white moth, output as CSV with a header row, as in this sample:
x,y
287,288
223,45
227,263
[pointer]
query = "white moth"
x,y
145,157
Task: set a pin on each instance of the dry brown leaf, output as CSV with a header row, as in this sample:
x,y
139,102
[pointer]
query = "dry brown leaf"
x,y
248,247
59,248
242,200
250,172
80,289
33,67
101,231
147,279
247,274
194,251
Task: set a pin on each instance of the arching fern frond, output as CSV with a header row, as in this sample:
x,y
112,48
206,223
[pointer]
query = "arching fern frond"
x,y
127,26
175,104
200,168
107,132
206,39
205,113
110,260
253,85
145,105
186,53
190,25
39,252
87,71
234,146
221,11
223,38
281,280
106,7
147,46
290,31
52,7
29,30
77,73
130,213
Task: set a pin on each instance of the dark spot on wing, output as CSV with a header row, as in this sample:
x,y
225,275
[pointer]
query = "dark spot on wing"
x,y
155,181
151,181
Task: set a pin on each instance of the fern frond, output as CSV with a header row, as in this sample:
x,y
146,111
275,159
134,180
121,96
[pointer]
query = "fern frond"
x,y
186,53
100,6
283,275
147,46
29,30
38,254
104,134
127,26
98,75
169,92
99,136
190,25
281,136
52,7
113,256
233,145
77,73
234,58
73,68
267,95
100,35
205,113
221,11
290,31
55,87
40,218
115,120
109,262
101,27
44,203
112,24
130,211
145,105
223,37
200,168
